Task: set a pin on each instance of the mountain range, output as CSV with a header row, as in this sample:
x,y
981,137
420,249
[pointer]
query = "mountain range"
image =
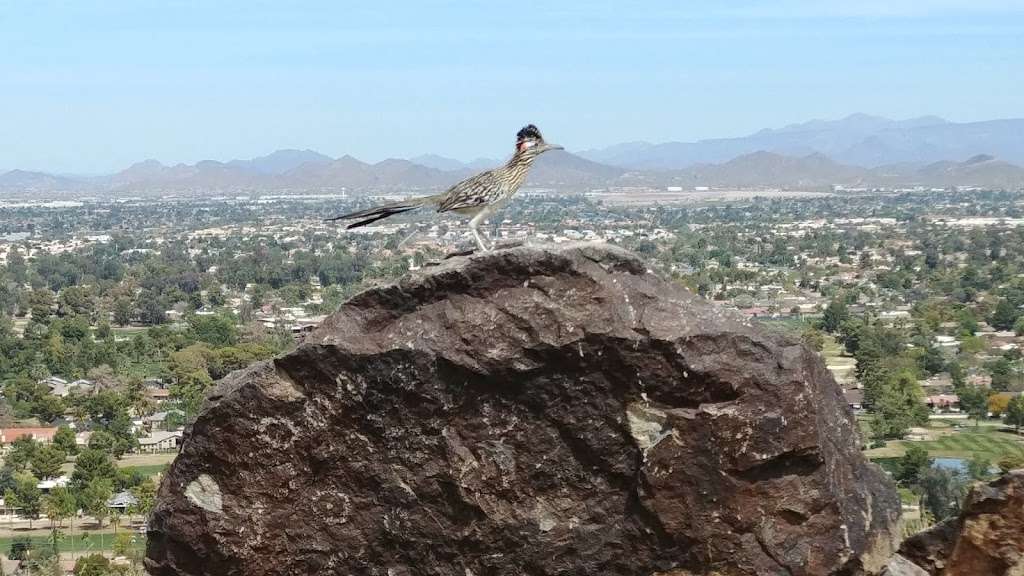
x,y
857,151
857,140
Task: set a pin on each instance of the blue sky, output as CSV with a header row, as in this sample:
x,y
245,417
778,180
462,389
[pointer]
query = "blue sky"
x,y
91,87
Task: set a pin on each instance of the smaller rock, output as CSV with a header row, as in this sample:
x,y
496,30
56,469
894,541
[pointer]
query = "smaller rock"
x,y
991,538
930,549
987,539
900,566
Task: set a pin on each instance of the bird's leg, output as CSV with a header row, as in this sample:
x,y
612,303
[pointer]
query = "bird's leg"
x,y
473,223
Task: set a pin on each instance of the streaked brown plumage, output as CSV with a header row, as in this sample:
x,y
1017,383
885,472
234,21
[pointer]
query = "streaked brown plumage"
x,y
477,196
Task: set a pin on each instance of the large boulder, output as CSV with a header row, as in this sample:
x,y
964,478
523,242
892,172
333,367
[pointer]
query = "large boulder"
x,y
986,539
538,410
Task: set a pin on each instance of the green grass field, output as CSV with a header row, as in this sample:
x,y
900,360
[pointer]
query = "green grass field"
x,y
128,330
987,441
149,470
148,464
93,542
991,444
908,497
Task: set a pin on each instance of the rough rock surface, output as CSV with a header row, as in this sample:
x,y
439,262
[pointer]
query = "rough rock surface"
x,y
540,411
987,539
930,549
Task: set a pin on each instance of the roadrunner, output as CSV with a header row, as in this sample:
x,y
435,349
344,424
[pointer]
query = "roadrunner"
x,y
477,196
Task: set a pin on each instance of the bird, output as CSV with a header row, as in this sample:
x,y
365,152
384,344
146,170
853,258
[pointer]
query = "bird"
x,y
478,196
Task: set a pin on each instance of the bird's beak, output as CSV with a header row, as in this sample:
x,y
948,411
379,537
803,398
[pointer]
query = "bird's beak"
x,y
549,147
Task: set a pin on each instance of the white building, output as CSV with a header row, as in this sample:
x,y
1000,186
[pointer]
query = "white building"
x,y
160,441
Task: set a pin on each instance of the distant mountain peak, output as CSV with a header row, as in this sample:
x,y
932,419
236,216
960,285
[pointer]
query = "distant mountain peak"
x,y
280,161
438,162
862,117
980,159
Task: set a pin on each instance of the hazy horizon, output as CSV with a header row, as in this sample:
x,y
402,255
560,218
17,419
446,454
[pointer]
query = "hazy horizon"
x,y
95,87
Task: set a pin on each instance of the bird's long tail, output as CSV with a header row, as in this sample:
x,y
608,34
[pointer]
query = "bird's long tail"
x,y
371,215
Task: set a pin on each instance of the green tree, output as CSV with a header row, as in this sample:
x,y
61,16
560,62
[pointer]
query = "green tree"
x,y
956,374
92,465
915,461
216,296
900,404
121,429
1014,415
942,492
92,565
187,361
974,401
145,496
191,390
22,452
835,314
123,311
104,330
217,330
25,496
152,309
971,345
1005,315
16,267
75,301
931,360
47,462
41,305
1001,371
967,321
124,544
49,563
94,498
64,440
21,548
59,505
813,338
49,408
102,441
978,467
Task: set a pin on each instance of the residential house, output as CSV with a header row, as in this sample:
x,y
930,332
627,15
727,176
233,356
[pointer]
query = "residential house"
x,y
854,398
160,441
942,401
82,438
158,393
49,484
122,502
62,388
44,435
156,420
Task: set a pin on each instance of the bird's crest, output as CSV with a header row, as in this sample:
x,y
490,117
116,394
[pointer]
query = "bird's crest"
x,y
528,137
529,132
